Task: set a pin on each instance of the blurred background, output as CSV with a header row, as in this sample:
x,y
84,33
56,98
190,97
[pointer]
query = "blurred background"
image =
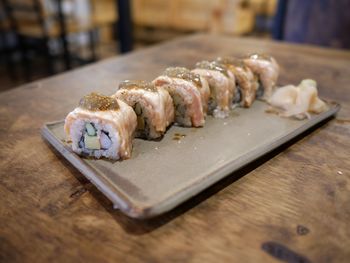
x,y
39,38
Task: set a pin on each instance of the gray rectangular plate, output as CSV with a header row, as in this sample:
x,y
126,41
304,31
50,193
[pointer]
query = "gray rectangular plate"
x,y
162,174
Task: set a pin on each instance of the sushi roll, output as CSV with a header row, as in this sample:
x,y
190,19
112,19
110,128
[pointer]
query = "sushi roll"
x,y
267,70
200,82
187,91
101,126
153,107
246,81
222,87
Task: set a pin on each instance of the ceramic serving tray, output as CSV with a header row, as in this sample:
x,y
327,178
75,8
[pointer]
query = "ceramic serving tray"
x,y
163,174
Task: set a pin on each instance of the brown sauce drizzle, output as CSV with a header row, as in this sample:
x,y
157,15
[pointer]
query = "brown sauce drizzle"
x,y
214,65
183,73
98,102
178,136
138,84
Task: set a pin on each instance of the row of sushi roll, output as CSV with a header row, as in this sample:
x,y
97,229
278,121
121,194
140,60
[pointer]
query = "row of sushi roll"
x,y
104,126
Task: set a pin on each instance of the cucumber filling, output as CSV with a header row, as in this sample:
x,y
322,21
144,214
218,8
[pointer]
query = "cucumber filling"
x,y
90,129
238,96
90,141
212,104
143,128
180,109
260,91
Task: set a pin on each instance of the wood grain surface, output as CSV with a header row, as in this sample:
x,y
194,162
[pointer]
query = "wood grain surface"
x,y
292,205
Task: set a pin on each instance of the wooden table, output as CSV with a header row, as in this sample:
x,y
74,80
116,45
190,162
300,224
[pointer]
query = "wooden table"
x,y
293,204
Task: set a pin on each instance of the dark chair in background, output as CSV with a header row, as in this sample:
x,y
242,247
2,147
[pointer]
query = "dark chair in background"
x,y
125,28
34,28
7,43
318,22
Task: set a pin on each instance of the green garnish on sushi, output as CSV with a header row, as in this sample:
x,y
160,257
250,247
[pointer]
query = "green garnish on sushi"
x,y
90,129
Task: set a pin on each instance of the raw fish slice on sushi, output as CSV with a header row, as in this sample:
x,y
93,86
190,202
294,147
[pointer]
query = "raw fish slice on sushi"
x,y
222,87
101,126
185,89
153,107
